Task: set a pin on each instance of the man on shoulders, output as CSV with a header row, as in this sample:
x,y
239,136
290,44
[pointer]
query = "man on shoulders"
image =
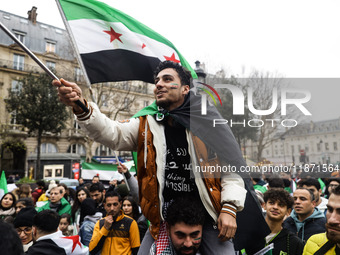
x,y
327,243
116,233
305,220
168,153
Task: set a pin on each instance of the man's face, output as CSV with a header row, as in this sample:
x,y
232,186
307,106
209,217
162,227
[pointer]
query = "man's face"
x,y
185,239
55,195
333,219
302,202
97,196
112,206
315,191
95,179
168,91
276,210
332,185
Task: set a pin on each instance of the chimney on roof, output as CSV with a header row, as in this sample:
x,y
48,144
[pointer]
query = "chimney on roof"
x,y
32,15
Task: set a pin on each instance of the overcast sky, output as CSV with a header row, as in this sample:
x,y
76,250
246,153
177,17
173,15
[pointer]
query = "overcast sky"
x,y
289,37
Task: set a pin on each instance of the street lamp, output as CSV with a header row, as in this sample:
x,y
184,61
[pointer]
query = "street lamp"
x,y
200,72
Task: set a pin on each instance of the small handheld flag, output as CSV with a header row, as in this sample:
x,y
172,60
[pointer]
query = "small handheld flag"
x,y
3,184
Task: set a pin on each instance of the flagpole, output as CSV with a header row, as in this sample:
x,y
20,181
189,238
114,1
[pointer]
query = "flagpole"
x,y
118,163
37,60
75,48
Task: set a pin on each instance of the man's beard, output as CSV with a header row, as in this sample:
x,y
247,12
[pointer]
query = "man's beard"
x,y
192,248
163,104
333,236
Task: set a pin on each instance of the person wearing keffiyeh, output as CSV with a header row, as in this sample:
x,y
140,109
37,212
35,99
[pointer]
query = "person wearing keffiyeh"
x,y
182,231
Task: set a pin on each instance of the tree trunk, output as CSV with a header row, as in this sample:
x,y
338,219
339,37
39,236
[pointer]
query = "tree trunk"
x,y
38,170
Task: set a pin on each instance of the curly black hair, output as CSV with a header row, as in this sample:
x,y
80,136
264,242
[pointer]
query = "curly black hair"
x,y
278,194
183,73
187,210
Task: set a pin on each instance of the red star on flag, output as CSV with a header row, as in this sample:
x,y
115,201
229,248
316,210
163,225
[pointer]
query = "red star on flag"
x,y
143,46
114,35
172,58
75,240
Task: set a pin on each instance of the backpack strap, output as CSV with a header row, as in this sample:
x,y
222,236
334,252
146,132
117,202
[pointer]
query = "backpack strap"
x,y
324,248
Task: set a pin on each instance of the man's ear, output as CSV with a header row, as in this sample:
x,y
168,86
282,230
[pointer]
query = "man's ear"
x,y
185,89
34,231
314,203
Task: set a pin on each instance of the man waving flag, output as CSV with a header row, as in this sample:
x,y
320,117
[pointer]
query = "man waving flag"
x,y
113,46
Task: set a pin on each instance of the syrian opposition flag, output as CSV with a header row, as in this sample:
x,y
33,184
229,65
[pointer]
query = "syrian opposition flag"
x,y
71,245
113,46
58,244
3,184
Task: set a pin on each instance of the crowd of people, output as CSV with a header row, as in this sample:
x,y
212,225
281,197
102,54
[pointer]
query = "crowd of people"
x,y
78,213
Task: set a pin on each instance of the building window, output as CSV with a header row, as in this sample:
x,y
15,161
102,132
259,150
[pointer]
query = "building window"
x,y
20,36
18,62
126,103
77,74
50,64
75,124
47,148
16,87
50,46
104,100
326,147
146,103
335,146
77,148
318,147
292,147
103,151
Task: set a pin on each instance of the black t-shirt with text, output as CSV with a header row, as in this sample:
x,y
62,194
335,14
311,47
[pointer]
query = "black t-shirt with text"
x,y
178,180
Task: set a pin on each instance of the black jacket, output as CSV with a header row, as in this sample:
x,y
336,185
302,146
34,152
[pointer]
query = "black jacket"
x,y
314,224
45,247
287,242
